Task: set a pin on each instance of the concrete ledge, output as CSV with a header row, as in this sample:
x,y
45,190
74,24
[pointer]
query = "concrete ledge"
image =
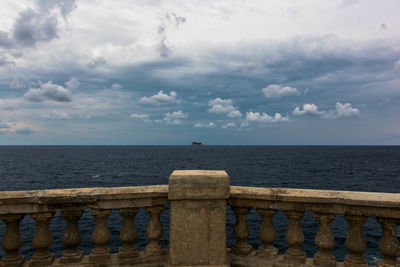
x,y
370,199
198,184
31,201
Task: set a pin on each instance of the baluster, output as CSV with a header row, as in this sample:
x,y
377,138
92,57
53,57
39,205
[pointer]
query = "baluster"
x,y
72,237
12,240
42,240
128,234
324,240
154,231
241,231
388,244
295,238
100,236
355,242
267,234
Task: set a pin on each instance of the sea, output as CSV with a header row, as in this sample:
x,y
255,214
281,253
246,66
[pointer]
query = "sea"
x,y
354,168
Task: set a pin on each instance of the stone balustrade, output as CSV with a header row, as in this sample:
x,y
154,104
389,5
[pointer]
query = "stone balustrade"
x,y
325,205
198,203
41,205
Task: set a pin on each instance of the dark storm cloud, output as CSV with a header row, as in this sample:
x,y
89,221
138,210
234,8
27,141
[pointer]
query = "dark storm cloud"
x,y
32,27
337,72
41,23
35,25
64,6
5,40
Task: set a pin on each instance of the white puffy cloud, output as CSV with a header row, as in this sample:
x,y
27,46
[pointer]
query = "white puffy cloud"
x,y
116,86
234,114
48,91
308,109
174,117
55,114
160,99
139,116
73,84
343,110
340,111
229,125
264,117
276,91
205,125
224,106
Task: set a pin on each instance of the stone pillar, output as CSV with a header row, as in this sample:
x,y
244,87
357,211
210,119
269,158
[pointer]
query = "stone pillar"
x,y
324,240
12,241
355,242
267,234
198,218
100,236
128,235
294,237
241,231
72,237
154,231
42,240
389,244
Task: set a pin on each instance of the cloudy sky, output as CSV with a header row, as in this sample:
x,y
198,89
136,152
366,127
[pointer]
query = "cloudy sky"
x,y
220,72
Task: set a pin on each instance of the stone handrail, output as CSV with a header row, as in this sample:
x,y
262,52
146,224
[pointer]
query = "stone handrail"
x,y
42,204
198,202
325,205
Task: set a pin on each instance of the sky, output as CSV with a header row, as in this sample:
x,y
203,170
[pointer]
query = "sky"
x,y
152,72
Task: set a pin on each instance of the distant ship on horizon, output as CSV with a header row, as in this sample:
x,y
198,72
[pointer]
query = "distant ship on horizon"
x,y
197,143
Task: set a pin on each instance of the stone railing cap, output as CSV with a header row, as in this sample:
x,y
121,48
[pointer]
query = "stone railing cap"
x,y
198,184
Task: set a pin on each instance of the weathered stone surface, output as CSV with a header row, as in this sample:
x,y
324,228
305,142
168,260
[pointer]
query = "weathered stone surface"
x,y
324,201
267,234
324,241
33,201
72,237
196,184
355,242
389,244
370,199
241,231
198,209
42,240
198,218
12,241
154,231
294,255
128,235
100,236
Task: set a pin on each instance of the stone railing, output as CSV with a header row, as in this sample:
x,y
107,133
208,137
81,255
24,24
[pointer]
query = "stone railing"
x,y
325,205
198,203
42,204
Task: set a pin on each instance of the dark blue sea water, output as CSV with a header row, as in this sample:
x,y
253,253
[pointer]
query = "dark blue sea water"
x,y
355,168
